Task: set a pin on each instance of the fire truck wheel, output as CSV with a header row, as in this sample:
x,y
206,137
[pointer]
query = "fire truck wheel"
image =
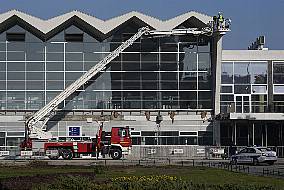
x,y
53,157
116,154
67,154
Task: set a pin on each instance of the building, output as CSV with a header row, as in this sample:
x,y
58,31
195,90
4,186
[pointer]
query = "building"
x,y
201,94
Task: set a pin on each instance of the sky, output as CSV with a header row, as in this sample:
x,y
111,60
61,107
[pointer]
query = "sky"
x,y
250,18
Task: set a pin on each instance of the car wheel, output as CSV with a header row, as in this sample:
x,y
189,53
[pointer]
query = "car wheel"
x,y
234,161
53,157
116,154
67,154
270,163
255,162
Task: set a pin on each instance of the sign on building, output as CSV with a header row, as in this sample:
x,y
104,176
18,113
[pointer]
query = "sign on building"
x,y
74,131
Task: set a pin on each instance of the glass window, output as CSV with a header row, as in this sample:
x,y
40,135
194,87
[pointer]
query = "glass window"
x,y
58,37
279,89
258,72
259,89
16,76
149,57
204,81
150,85
32,38
242,73
188,60
35,66
74,66
16,85
54,85
165,66
2,66
149,45
74,47
188,81
94,47
54,47
35,51
188,100
173,85
204,62
35,76
35,85
149,76
54,76
169,57
227,73
15,96
153,66
54,56
74,57
2,85
2,75
203,44
278,72
16,66
73,75
2,56
205,100
94,56
88,65
54,66
131,57
242,89
16,56
226,89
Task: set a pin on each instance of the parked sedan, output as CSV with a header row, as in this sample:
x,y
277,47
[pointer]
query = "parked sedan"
x,y
255,155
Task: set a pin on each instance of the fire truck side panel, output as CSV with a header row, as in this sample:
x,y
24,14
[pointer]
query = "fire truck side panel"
x,y
85,147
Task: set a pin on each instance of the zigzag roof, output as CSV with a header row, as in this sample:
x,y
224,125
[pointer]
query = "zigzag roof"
x,y
46,26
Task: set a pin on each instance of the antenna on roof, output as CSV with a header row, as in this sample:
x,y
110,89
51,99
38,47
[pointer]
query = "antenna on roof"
x,y
258,44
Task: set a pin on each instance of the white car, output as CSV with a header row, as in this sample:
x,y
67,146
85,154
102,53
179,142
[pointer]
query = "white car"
x,y
254,155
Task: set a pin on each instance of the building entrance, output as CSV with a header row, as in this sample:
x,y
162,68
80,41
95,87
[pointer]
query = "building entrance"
x,y
243,103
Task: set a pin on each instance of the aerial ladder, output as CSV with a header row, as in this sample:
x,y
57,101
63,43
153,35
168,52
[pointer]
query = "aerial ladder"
x,y
35,127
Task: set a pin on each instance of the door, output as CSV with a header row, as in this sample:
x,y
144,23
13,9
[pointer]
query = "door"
x,y
243,103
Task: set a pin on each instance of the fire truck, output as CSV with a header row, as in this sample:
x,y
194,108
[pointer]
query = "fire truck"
x,y
119,141
115,145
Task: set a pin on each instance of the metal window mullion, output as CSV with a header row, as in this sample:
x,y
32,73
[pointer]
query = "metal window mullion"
x,y
159,76
83,69
141,93
26,101
64,71
197,94
6,102
45,79
178,86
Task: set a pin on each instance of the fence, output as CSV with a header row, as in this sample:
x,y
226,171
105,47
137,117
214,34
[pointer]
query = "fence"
x,y
158,152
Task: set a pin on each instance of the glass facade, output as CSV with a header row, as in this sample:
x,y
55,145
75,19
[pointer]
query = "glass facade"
x,y
244,87
154,73
172,137
278,86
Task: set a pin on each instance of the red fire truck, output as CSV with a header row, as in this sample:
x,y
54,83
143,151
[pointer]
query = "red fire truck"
x,y
115,144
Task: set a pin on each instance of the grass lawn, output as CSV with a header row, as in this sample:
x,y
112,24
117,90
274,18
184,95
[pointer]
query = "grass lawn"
x,y
200,175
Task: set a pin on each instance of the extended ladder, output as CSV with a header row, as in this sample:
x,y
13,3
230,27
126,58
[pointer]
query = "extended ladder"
x,y
37,132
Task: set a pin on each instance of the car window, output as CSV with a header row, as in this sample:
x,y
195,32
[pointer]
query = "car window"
x,y
243,151
264,149
251,150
